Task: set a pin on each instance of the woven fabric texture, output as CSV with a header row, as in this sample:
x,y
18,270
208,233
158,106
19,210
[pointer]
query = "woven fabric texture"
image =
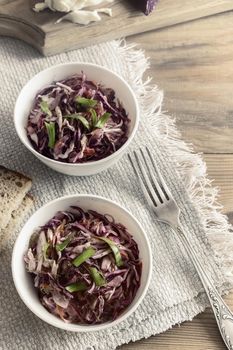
x,y
175,293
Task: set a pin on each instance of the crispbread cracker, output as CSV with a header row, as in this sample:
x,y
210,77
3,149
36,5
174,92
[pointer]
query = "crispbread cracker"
x,y
13,188
17,218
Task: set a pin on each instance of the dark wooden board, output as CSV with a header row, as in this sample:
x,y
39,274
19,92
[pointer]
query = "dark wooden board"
x,y
39,29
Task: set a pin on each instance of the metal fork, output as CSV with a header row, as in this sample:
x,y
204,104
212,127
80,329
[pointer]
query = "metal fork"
x,y
167,211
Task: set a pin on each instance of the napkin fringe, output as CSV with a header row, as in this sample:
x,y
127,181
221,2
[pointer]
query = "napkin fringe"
x,y
130,62
193,170
190,165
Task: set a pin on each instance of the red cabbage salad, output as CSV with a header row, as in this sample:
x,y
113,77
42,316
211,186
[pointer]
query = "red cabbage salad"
x,y
85,266
77,120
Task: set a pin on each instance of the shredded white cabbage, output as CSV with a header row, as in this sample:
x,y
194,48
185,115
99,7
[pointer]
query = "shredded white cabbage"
x,y
74,9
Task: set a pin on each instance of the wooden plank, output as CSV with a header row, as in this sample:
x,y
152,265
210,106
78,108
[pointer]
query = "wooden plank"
x,y
18,20
202,333
192,63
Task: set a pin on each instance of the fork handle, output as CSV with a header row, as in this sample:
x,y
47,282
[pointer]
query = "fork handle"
x,y
222,313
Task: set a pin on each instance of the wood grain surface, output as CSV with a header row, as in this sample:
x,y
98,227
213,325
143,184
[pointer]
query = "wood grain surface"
x,y
193,63
39,29
202,333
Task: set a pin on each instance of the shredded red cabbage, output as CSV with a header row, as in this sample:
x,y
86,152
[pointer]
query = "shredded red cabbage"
x,y
77,120
85,266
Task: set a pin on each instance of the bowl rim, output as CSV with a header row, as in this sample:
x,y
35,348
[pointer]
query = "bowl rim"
x,y
72,165
71,326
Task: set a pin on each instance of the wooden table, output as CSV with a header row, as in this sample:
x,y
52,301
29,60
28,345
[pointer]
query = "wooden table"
x,y
193,63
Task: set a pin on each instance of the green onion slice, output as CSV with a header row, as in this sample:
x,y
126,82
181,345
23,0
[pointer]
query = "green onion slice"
x,y
86,102
45,108
94,117
79,117
103,119
97,276
76,287
61,246
51,134
85,255
45,248
114,248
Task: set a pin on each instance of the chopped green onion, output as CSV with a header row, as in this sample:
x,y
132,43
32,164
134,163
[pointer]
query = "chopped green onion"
x,y
51,133
93,117
85,255
45,108
76,287
86,102
61,246
114,248
80,117
97,277
45,248
103,119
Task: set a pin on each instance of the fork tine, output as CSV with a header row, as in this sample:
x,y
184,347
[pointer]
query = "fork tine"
x,y
154,180
143,187
154,196
163,185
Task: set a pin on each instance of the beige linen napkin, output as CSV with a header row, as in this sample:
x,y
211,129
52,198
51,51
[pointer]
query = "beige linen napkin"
x,y
175,293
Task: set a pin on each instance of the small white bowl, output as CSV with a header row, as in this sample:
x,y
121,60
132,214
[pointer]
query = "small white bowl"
x,y
94,72
23,281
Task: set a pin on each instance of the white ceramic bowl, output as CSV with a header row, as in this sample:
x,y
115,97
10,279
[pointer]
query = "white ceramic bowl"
x,y
23,281
94,72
